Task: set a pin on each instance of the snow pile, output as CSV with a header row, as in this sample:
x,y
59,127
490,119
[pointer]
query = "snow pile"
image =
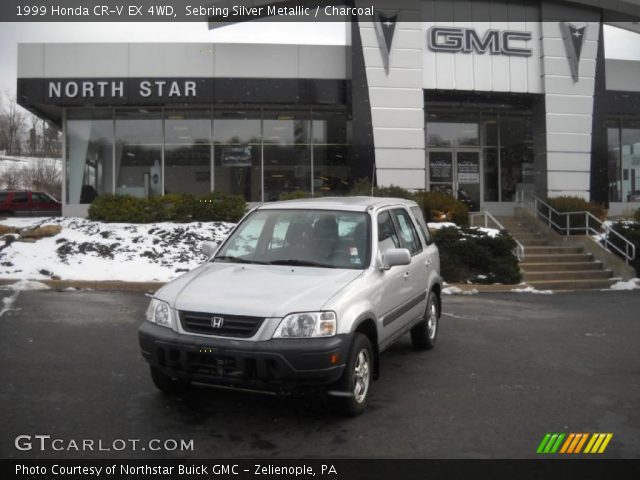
x,y
439,225
22,285
532,290
458,291
632,284
88,250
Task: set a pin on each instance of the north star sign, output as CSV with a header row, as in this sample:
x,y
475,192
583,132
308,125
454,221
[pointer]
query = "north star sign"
x,y
98,89
467,40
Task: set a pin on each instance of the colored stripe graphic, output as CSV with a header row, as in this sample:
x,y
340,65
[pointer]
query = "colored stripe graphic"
x,y
573,443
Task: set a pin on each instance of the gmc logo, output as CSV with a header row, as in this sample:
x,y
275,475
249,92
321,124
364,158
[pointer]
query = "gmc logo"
x,y
467,40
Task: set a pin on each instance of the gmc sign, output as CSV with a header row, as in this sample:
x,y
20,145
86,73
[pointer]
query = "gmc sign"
x,y
467,40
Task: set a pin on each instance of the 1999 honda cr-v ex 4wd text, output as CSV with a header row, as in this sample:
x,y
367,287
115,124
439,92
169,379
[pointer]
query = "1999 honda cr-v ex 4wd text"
x,y
303,293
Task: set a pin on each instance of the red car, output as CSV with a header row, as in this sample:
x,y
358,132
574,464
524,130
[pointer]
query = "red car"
x,y
33,204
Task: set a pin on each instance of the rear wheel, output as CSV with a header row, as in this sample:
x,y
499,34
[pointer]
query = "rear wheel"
x,y
355,384
425,333
166,384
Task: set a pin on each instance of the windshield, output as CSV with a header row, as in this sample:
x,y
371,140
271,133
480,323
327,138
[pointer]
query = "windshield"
x,y
312,238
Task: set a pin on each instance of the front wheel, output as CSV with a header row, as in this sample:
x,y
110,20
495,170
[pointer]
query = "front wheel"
x,y
425,333
355,384
166,384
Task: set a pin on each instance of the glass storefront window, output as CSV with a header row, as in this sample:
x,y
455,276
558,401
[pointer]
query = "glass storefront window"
x,y
256,154
491,174
630,143
613,144
237,137
516,155
448,131
139,152
331,139
623,137
187,155
89,156
287,153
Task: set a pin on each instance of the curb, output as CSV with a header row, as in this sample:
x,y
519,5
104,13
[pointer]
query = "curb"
x,y
466,287
108,285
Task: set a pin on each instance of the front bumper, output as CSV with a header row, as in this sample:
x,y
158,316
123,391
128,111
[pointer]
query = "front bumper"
x,y
277,364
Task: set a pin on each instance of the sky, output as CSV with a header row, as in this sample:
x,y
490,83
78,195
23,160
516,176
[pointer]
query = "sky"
x,y
618,43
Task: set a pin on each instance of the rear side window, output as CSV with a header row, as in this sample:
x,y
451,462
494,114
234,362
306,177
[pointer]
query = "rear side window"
x,y
20,197
417,212
407,230
387,235
3,196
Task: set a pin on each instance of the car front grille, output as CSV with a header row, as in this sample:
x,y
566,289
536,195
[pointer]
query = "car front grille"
x,y
219,324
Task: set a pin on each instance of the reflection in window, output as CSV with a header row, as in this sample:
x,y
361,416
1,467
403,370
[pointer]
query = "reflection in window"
x,y
187,155
287,153
139,152
448,131
516,155
237,153
630,143
89,155
331,139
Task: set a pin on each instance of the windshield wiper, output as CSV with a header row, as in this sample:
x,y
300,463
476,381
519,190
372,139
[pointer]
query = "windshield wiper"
x,y
301,263
231,258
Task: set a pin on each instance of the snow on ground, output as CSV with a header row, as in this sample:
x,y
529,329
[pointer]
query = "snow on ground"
x,y
532,290
458,291
632,284
439,225
492,232
88,250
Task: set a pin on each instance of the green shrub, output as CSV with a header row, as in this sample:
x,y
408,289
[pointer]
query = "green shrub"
x,y
361,188
175,207
432,202
468,254
120,208
631,231
577,222
295,195
222,207
393,191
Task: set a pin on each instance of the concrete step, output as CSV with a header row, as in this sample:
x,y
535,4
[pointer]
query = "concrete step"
x,y
529,238
535,242
556,257
560,266
572,284
538,250
567,275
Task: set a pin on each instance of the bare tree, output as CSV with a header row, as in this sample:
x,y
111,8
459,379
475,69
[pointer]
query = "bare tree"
x,y
12,122
11,178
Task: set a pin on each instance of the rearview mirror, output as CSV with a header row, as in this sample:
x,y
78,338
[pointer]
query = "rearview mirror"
x,y
209,248
394,257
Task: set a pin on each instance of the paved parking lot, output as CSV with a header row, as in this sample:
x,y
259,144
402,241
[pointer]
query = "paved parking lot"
x,y
508,369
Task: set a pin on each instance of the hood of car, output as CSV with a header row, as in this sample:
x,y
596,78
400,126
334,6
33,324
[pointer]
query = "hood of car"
x,y
256,290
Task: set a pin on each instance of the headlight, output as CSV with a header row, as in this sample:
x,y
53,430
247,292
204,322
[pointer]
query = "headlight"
x,y
159,313
306,325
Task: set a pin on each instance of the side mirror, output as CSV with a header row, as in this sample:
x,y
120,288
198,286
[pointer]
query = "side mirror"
x,y
209,248
394,257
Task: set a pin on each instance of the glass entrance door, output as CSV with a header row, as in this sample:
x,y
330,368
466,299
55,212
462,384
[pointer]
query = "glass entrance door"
x,y
457,173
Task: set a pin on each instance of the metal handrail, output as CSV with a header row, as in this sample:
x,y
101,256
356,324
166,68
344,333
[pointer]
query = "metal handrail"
x,y
629,252
518,251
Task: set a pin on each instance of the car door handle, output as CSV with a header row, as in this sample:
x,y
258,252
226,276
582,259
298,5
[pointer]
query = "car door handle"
x,y
407,275
427,263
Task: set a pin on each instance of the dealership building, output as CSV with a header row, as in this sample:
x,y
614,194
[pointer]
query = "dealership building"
x,y
490,101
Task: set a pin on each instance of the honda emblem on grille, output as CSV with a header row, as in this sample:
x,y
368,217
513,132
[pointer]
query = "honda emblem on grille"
x,y
217,322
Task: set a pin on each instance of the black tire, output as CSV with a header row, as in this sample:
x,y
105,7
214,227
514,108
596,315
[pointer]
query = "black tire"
x,y
425,334
353,400
166,384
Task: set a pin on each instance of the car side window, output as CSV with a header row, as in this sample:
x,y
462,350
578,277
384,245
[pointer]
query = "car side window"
x,y
20,197
387,235
40,197
408,233
417,212
3,197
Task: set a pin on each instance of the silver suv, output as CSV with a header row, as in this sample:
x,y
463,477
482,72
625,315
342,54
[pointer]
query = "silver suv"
x,y
302,293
